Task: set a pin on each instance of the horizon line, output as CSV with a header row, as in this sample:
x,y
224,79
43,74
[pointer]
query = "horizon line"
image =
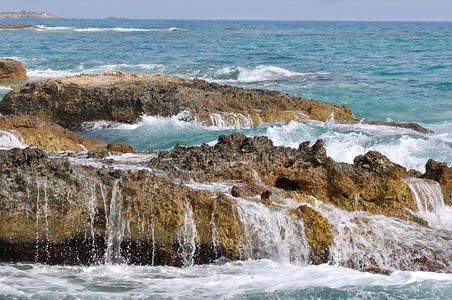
x,y
196,19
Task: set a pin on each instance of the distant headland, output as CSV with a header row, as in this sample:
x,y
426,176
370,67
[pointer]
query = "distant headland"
x,y
26,14
117,18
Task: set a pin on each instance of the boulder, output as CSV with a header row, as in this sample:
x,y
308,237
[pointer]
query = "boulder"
x,y
116,147
11,71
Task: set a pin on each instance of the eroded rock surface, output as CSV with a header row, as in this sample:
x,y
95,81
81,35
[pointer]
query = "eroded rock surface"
x,y
441,173
47,136
242,198
373,183
11,71
124,97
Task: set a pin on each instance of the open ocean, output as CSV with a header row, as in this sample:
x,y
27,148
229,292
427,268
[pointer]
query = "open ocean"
x,y
399,71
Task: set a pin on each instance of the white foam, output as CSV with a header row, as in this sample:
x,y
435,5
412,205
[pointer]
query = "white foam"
x,y
8,141
51,73
230,280
260,73
430,203
106,29
344,142
4,89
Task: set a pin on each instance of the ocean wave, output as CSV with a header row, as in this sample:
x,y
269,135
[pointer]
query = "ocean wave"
x,y
260,73
240,279
344,142
106,29
51,73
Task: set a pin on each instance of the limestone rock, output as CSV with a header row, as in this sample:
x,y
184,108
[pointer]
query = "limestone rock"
x,y
115,147
441,173
124,97
11,71
47,136
319,233
17,26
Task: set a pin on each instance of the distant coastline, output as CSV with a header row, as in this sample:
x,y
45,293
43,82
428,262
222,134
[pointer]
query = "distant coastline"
x,y
25,14
117,18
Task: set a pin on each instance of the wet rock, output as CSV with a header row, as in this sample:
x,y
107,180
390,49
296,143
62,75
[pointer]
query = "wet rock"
x,y
319,234
307,171
58,213
441,173
55,212
11,71
115,147
47,136
412,125
124,97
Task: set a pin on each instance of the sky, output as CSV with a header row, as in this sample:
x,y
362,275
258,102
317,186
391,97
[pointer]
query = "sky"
x,y
397,10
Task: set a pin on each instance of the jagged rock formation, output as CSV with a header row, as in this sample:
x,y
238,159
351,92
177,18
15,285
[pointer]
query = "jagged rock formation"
x,y
11,70
54,211
373,183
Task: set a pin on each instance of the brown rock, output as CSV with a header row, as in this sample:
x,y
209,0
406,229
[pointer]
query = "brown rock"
x,y
11,70
47,136
124,97
319,234
441,173
115,147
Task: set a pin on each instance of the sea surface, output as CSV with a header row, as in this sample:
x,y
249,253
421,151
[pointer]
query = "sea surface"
x,y
389,71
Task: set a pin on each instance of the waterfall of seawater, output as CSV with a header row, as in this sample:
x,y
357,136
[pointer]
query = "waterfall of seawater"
x,y
362,240
188,235
271,232
430,202
115,226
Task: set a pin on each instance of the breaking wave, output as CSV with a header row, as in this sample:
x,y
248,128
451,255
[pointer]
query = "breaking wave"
x,y
106,29
260,73
343,143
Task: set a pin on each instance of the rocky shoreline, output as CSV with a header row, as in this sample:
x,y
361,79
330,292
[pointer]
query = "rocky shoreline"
x,y
125,97
197,204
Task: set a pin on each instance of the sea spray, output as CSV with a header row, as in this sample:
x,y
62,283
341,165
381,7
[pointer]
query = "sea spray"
x,y
430,202
362,240
115,226
187,236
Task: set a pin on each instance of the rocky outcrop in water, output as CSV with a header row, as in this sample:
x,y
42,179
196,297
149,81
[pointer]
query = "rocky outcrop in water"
x,y
11,71
373,183
242,198
124,97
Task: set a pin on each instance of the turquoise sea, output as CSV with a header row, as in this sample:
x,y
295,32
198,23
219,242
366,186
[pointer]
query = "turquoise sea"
x,y
400,71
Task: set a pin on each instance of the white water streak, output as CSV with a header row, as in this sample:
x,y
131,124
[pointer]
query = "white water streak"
x,y
430,202
115,226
